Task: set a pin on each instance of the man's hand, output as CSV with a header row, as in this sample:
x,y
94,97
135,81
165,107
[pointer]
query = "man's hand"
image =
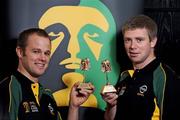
x,y
110,98
79,95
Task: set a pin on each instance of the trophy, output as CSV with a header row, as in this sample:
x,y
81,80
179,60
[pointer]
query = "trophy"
x,y
85,65
106,67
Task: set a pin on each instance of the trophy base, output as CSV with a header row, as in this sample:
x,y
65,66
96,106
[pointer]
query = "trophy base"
x,y
108,89
84,86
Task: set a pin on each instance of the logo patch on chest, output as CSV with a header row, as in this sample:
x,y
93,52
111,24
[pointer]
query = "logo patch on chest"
x,y
51,109
30,107
122,90
142,90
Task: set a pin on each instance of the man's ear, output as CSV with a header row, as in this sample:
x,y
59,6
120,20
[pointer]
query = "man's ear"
x,y
153,42
19,52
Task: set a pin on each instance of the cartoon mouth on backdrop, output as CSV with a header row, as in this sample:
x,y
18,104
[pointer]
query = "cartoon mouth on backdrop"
x,y
71,63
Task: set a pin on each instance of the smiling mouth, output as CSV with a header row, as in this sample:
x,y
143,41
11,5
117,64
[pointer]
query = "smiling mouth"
x,y
71,63
40,65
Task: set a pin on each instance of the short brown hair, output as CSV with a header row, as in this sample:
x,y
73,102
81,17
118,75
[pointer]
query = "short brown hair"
x,y
23,36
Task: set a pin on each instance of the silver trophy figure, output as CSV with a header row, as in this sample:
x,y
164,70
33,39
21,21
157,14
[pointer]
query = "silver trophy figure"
x,y
106,67
85,66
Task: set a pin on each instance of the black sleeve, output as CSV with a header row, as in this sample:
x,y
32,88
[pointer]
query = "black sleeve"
x,y
172,96
4,99
118,82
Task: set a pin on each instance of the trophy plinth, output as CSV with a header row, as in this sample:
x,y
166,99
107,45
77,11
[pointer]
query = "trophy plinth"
x,y
84,86
108,89
106,67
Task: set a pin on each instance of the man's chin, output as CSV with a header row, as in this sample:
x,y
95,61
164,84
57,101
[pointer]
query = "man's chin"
x,y
39,73
134,60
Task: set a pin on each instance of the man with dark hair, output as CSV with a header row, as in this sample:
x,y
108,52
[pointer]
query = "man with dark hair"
x,y
149,90
22,97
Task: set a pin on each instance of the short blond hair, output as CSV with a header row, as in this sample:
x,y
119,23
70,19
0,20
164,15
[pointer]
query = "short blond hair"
x,y
141,21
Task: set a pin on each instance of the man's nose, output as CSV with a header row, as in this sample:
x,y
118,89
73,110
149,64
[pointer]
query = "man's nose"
x,y
43,57
133,44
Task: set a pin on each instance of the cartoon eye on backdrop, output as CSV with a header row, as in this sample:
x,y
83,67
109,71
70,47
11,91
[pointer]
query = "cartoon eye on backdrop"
x,y
78,32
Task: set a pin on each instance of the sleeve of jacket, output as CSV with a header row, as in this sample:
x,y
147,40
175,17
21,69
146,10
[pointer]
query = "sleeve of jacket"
x,y
166,91
4,98
171,96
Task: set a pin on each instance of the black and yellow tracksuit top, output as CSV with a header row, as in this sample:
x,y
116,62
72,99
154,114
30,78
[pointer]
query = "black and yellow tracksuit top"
x,y
140,90
21,99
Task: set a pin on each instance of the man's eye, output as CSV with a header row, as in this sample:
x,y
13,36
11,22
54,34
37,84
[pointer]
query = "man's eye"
x,y
126,40
139,40
36,51
47,53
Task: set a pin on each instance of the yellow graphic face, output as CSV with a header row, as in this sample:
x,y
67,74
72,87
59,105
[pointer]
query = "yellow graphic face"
x,y
78,31
74,18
